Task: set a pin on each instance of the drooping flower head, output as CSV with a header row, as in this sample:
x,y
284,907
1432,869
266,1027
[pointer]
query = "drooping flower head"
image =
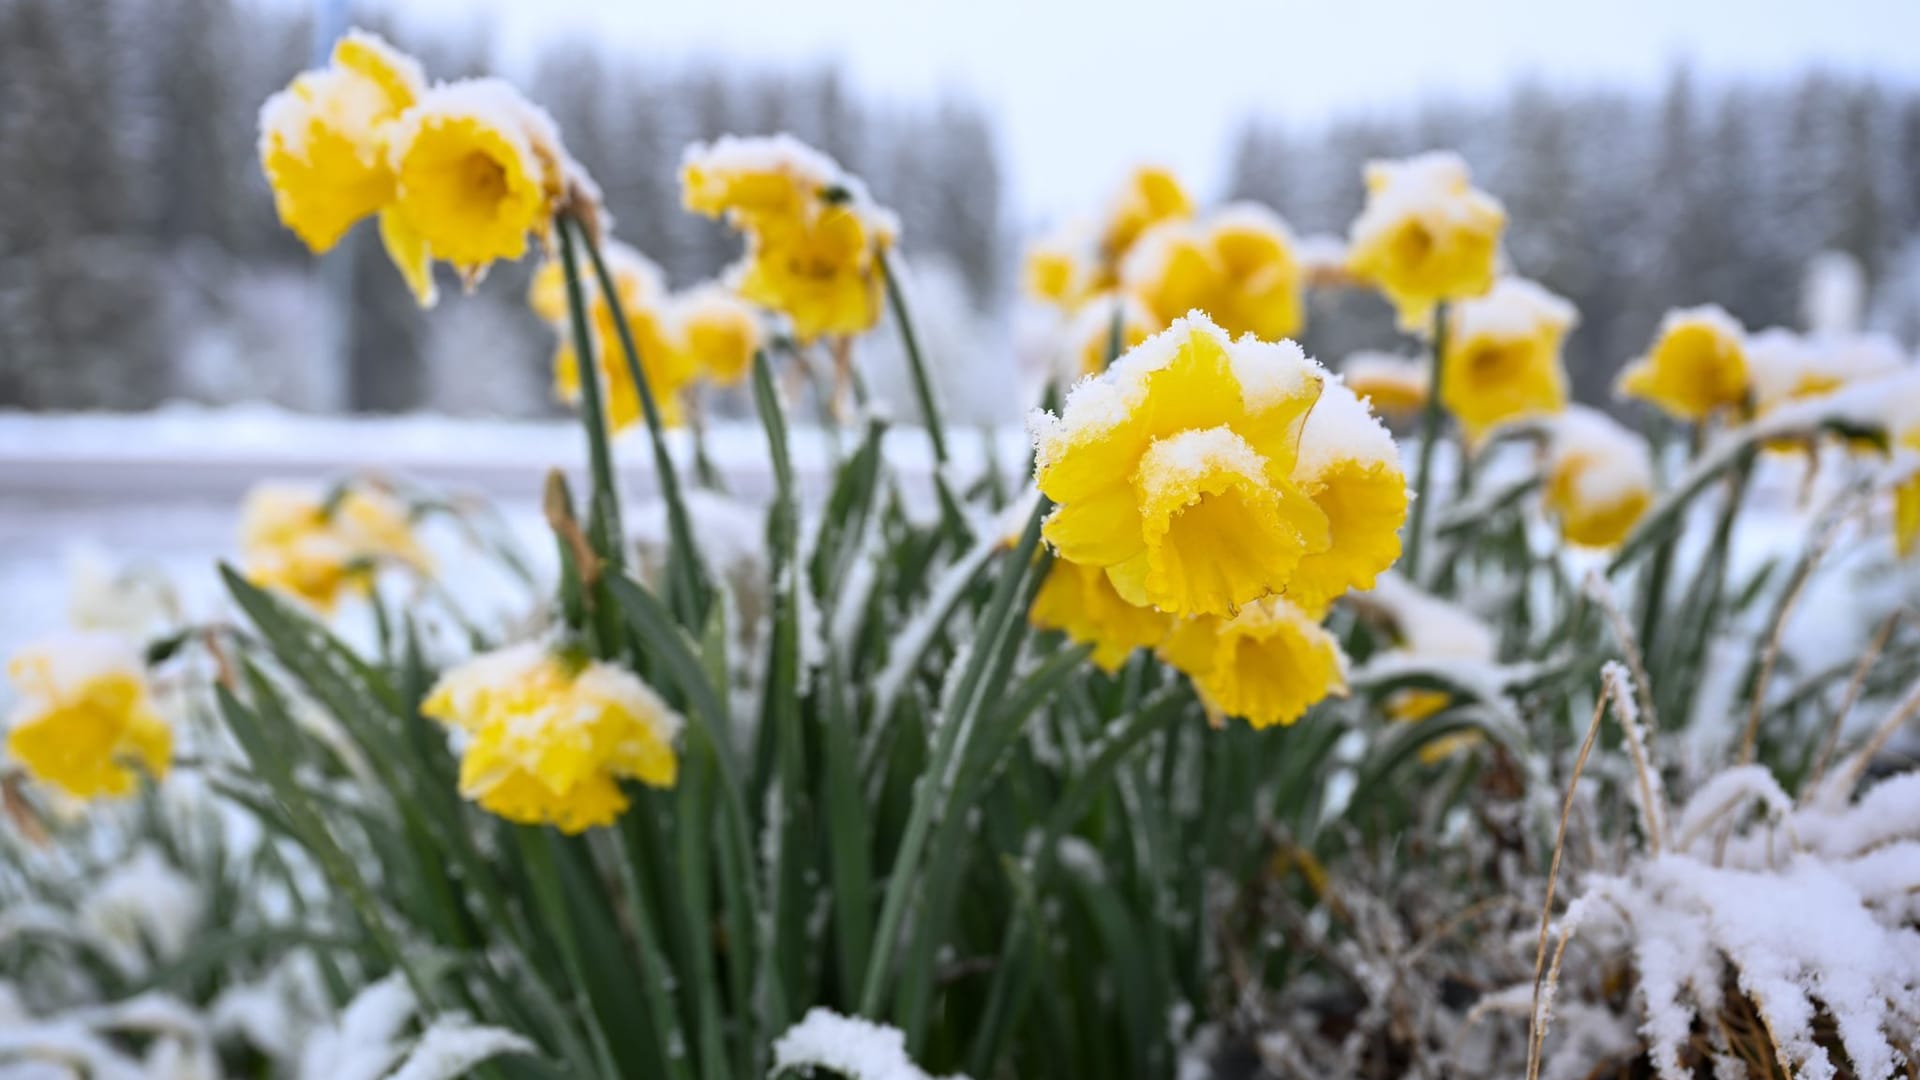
x,y
815,238
323,140
1267,665
1501,359
295,539
1174,470
1392,385
1696,367
1080,601
1427,235
85,717
1350,467
478,169
664,357
720,331
1237,265
549,736
1599,477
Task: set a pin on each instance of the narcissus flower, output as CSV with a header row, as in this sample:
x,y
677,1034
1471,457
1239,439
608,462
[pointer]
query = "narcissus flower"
x,y
1151,195
1599,477
1501,359
550,736
1697,365
1350,467
720,332
815,238
1057,270
1238,266
1267,665
85,715
1080,601
296,540
478,169
1784,366
323,140
1426,234
1392,385
1173,470
1089,337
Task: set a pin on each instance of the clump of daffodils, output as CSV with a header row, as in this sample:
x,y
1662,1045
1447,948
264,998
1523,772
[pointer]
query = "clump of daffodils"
x,y
461,172
1426,235
550,735
1500,360
816,240
85,719
1599,477
318,548
1696,368
1237,265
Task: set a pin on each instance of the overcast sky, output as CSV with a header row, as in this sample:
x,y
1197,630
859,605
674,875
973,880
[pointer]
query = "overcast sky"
x,y
1084,89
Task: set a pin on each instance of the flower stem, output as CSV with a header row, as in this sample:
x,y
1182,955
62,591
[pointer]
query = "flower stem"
x,y
1430,421
916,363
603,511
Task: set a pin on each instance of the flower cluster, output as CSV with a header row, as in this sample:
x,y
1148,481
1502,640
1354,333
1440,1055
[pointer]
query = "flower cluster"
x,y
85,716
550,735
1204,475
460,171
318,547
1426,236
816,240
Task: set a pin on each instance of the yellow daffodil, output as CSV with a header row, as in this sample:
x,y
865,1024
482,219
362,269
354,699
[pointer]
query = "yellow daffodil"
x,y
1697,365
815,238
1080,601
1501,359
1056,270
294,540
1151,195
550,736
478,169
720,332
1267,665
1906,499
1392,385
1350,467
1238,266
84,715
323,140
1089,337
1173,469
1599,478
1426,234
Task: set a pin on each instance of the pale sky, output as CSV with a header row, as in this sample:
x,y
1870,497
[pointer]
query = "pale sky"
x,y
1084,89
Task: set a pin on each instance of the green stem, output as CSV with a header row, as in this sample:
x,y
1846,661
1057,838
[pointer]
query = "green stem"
x,y
1430,421
603,515
916,363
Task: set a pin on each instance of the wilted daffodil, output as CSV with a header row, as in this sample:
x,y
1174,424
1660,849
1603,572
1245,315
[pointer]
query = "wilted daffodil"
x,y
720,332
1599,477
1501,359
1080,601
1267,665
297,540
1238,266
1392,385
323,140
1426,234
1350,467
550,735
815,238
478,169
84,715
1173,470
1696,367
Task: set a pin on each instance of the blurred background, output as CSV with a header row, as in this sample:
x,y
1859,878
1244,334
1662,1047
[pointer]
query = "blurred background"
x,y
1651,154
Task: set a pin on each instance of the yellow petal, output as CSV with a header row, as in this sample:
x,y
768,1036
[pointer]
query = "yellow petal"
x,y
410,255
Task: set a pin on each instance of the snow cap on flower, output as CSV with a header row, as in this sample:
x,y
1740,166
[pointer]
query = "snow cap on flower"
x,y
551,736
1426,235
1697,364
1350,466
85,716
1501,358
1599,477
1267,665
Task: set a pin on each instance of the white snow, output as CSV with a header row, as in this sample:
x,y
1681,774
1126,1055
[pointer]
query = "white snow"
x,y
1196,453
1435,187
1513,308
337,98
1610,463
1427,625
1342,427
856,1048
